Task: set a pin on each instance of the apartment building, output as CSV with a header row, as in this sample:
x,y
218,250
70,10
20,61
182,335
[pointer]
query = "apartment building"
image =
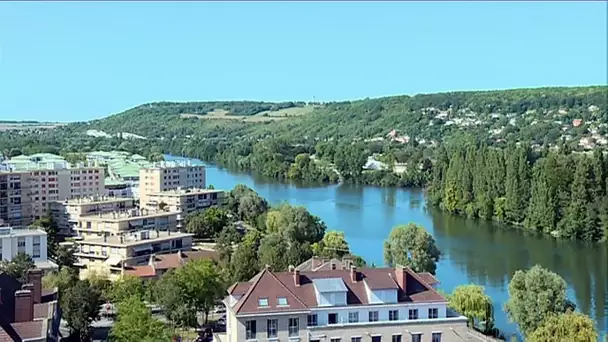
x,y
15,202
341,305
185,201
68,213
121,222
166,176
50,178
109,255
32,242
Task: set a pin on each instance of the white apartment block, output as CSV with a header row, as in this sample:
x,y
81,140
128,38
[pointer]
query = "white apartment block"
x,y
166,176
28,241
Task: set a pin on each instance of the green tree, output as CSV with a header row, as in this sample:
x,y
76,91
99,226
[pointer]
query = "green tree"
x,y
169,295
136,324
535,294
225,242
208,223
125,288
201,284
80,306
565,327
333,245
295,224
18,266
244,262
64,256
273,251
411,245
62,279
472,302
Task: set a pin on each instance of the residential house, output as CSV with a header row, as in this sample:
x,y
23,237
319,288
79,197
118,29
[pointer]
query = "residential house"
x,y
330,303
160,264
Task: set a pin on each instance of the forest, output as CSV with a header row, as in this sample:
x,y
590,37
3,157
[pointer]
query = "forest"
x,y
498,155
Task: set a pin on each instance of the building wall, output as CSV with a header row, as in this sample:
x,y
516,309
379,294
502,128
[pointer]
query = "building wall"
x,y
383,312
451,329
15,203
10,246
69,214
158,179
93,227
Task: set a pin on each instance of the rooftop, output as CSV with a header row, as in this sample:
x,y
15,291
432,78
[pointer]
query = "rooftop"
x,y
301,293
129,214
96,200
9,231
187,191
169,261
41,161
134,239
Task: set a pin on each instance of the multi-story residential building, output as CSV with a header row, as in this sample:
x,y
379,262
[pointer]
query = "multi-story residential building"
x,y
68,213
28,241
341,305
185,201
15,203
116,223
165,176
50,178
109,255
118,188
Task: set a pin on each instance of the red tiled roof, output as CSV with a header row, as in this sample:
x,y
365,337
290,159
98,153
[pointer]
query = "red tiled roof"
x,y
428,278
27,330
267,284
169,261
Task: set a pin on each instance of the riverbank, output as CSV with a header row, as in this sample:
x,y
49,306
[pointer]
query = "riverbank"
x,y
473,251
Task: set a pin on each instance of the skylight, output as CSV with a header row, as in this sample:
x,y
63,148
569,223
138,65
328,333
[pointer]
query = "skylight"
x,y
262,302
282,301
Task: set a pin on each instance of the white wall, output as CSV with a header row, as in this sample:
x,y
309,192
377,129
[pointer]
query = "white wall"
x,y
9,246
383,312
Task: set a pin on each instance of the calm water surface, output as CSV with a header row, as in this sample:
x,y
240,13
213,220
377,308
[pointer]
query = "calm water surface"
x,y
472,251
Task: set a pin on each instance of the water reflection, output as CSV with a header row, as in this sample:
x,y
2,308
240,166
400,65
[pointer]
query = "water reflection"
x,y
490,254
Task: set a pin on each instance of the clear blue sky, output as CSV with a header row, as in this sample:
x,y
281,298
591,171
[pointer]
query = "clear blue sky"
x,y
78,61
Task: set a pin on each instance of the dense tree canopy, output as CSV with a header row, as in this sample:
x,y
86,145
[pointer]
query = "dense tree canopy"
x,y
18,266
135,323
534,295
565,327
411,245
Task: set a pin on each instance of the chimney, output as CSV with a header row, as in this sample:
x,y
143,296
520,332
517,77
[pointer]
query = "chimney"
x,y
291,268
401,275
34,277
333,264
24,306
268,268
315,262
353,274
296,277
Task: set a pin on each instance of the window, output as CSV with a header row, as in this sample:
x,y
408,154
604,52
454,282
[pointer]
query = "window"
x,y
416,337
294,327
393,315
312,320
396,338
376,338
433,313
373,316
436,337
271,328
251,330
282,301
262,302
334,339
332,318
353,317
413,314
21,242
355,339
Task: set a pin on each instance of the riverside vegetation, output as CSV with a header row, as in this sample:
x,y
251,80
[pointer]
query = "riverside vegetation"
x,y
524,157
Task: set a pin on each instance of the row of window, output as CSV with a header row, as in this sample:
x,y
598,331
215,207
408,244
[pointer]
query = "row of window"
x,y
373,316
272,326
415,337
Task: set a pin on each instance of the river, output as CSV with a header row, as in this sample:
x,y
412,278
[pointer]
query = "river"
x,y
473,251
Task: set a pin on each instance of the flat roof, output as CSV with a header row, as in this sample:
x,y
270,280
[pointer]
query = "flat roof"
x,y
188,191
97,200
114,241
123,215
9,231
